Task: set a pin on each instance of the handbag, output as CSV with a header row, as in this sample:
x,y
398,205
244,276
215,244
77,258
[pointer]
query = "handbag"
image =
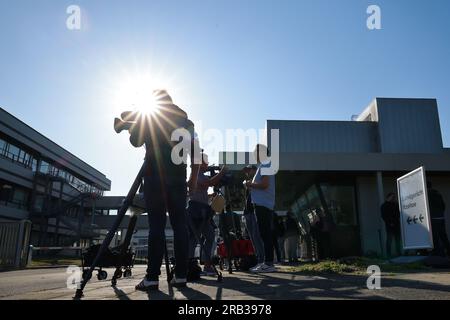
x,y
218,203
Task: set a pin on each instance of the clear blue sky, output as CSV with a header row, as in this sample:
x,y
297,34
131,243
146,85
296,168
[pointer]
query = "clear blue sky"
x,y
231,63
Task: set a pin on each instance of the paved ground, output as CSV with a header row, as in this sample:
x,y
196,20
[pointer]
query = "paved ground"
x,y
51,284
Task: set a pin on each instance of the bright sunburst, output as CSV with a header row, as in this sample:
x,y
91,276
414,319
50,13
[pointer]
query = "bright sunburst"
x,y
136,94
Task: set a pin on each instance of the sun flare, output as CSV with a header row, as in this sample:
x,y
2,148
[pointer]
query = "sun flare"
x,y
136,93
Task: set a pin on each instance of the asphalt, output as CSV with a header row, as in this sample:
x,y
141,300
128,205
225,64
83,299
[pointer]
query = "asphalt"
x,y
51,284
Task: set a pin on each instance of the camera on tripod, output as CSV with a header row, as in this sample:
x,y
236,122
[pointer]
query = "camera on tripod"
x,y
137,125
226,179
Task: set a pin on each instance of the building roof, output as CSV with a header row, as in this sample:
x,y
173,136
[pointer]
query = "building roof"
x,y
26,135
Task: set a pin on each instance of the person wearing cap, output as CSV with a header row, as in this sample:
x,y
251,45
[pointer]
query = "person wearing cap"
x,y
251,224
165,187
200,215
262,190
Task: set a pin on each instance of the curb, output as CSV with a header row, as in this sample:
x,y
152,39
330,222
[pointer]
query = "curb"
x,y
46,267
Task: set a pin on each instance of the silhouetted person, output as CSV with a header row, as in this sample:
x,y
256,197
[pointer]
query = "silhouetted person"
x,y
437,211
391,215
251,223
292,235
277,234
165,188
200,214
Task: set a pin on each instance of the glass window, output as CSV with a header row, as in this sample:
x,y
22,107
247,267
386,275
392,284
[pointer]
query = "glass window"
x,y
5,192
340,200
2,146
45,167
313,197
38,203
19,198
34,164
13,152
62,174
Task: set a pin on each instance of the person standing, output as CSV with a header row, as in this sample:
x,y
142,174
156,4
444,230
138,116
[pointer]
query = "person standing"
x,y
292,235
165,188
262,190
278,230
251,223
391,215
200,217
437,213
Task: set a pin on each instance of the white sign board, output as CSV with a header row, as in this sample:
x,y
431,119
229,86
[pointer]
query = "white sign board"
x,y
414,211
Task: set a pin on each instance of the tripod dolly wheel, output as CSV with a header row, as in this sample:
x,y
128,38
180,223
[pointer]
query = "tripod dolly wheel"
x,y
102,275
127,273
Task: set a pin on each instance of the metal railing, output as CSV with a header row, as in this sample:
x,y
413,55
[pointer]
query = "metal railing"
x,y
141,251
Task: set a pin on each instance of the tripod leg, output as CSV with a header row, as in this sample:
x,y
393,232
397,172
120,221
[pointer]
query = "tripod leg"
x,y
166,258
124,249
120,214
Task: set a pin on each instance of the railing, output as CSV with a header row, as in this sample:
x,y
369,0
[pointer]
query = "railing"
x,y
141,251
14,204
15,158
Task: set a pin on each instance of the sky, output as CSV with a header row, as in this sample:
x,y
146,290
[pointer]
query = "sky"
x,y
228,63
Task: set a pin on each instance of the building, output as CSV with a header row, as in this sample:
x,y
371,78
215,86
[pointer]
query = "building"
x,y
46,184
347,167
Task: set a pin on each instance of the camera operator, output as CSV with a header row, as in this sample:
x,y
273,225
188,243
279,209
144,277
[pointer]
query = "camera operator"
x,y
165,188
200,214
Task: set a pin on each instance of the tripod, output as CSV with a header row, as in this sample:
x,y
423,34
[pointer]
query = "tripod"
x,y
105,244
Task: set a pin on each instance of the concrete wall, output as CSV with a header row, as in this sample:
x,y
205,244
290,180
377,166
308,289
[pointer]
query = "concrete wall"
x,y
409,126
326,136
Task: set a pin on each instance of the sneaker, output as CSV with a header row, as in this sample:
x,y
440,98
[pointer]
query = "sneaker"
x,y
257,267
208,271
264,268
178,283
146,285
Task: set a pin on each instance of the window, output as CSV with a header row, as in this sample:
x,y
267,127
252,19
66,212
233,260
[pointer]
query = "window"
x,y
45,167
20,198
13,152
13,196
340,200
313,197
33,164
38,203
5,192
2,146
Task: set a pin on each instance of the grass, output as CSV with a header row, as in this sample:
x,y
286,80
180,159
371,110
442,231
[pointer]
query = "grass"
x,y
355,265
54,261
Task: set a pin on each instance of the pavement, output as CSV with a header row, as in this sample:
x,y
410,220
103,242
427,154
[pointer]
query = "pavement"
x,y
50,284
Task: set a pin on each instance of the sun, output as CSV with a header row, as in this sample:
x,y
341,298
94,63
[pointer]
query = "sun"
x,y
136,93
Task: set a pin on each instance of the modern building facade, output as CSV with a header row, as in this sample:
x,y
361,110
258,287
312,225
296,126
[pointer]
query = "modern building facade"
x,y
347,167
46,184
